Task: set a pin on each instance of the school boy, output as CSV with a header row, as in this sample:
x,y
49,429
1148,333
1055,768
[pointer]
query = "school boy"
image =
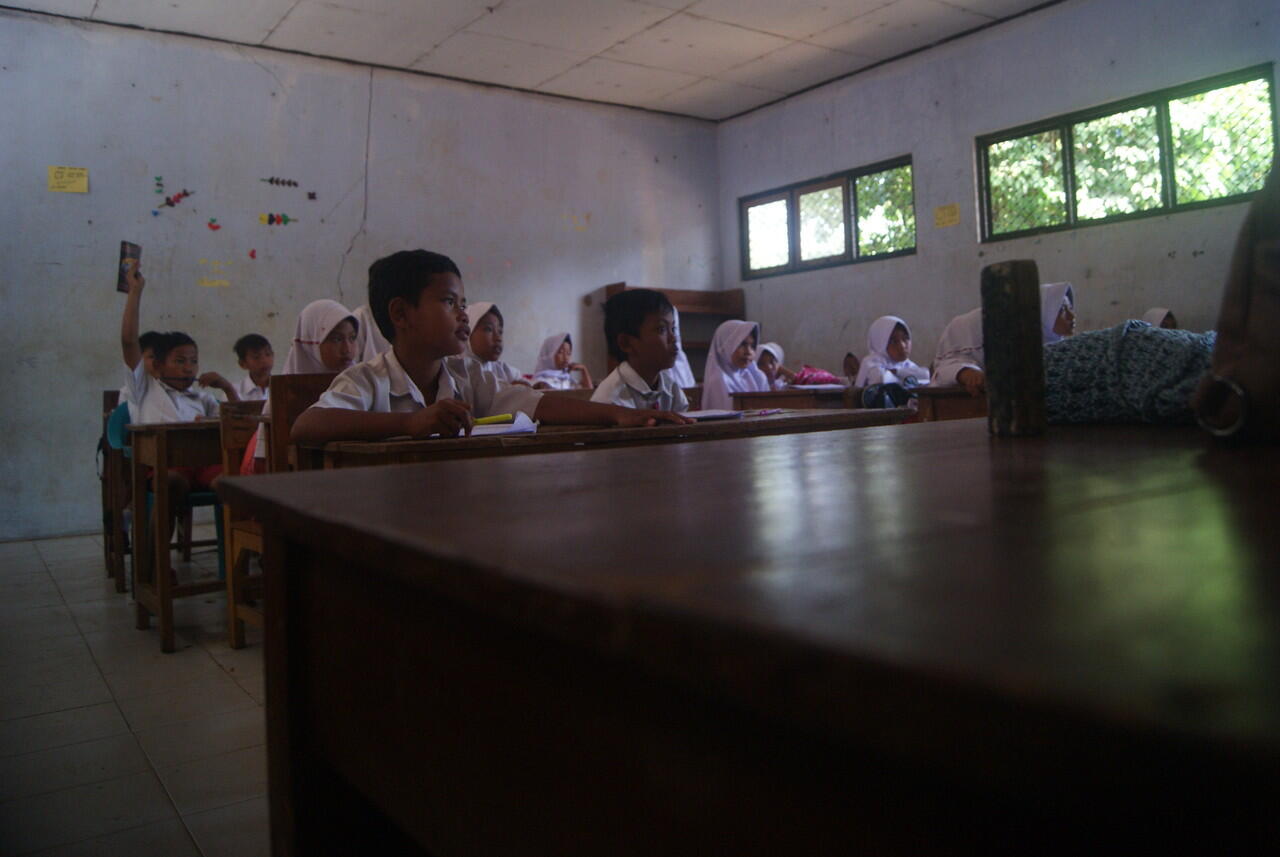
x,y
256,358
640,329
422,386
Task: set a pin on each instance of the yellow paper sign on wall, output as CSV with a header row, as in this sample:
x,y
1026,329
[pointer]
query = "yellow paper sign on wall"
x,y
69,179
946,215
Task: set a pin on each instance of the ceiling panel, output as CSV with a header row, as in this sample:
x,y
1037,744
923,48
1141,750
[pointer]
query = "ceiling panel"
x,y
795,67
338,31
589,26
74,8
694,45
246,21
796,19
713,99
997,8
617,82
491,59
895,29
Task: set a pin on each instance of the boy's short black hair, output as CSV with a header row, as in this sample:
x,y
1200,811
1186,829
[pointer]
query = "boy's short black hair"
x,y
626,311
402,275
250,342
169,341
148,340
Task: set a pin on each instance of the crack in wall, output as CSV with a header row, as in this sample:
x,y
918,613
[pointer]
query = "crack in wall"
x,y
364,213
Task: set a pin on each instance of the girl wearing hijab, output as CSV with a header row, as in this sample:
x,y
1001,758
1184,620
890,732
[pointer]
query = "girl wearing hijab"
x,y
959,358
731,365
369,340
1161,317
888,356
681,372
324,340
770,363
556,367
485,344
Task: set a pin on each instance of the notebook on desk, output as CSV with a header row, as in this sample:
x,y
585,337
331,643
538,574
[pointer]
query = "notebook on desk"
x,y
711,415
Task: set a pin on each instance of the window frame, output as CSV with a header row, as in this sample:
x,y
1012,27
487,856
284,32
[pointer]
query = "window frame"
x,y
1065,123
792,193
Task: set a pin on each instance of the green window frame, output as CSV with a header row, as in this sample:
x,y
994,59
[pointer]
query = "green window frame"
x,y
883,227
1059,176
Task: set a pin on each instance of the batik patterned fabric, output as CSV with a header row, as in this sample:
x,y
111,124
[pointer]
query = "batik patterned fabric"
x,y
1130,373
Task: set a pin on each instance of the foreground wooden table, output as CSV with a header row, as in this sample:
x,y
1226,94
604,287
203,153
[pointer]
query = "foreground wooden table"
x,y
888,641
572,438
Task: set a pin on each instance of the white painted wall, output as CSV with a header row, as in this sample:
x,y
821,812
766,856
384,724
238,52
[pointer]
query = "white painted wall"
x,y
540,201
932,105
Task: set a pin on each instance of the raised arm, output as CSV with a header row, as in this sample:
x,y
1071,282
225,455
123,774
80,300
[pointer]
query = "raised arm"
x,y
129,325
587,383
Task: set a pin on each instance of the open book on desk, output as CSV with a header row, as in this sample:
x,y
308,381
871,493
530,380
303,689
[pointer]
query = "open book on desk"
x,y
711,415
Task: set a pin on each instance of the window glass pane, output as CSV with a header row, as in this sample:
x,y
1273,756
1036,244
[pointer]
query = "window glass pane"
x,y
767,244
1117,161
822,223
886,216
1222,141
1027,186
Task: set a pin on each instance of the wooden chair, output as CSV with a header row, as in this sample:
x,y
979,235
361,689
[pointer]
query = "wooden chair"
x,y
242,535
290,396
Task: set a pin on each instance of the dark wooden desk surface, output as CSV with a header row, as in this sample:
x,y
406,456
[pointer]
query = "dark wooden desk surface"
x,y
572,438
912,639
791,397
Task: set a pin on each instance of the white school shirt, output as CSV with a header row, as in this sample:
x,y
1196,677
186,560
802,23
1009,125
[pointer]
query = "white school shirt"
x,y
504,372
961,344
153,401
878,367
625,387
249,391
681,372
382,386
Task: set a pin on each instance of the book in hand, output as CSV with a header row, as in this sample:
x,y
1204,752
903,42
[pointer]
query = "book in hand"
x,y
129,253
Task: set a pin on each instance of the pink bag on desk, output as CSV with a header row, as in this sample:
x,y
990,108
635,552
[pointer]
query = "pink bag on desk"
x,y
812,375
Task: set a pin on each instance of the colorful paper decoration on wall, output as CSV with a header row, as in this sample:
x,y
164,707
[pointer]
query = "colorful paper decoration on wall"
x,y
69,179
160,184
171,201
273,219
253,254
311,194
280,182
213,224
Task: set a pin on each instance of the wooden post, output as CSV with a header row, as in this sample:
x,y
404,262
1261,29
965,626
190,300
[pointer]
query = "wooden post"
x,y
1013,342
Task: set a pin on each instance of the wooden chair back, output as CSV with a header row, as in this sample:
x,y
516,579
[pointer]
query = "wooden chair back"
x,y
584,395
238,426
290,396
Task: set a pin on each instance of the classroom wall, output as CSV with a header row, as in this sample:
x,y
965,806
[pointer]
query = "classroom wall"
x,y
540,201
1067,57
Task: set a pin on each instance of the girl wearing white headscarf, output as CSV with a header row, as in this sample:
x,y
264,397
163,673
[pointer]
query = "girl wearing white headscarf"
x,y
960,347
325,339
369,340
777,374
505,372
882,367
730,368
1161,317
555,369
681,372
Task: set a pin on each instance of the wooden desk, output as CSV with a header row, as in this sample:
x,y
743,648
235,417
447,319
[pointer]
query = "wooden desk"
x,y
1059,644
792,398
573,438
949,403
161,446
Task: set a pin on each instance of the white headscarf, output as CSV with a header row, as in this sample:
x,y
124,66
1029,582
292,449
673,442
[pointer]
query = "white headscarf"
x,y
681,371
776,350
722,378
878,362
316,321
546,370
1155,316
475,312
778,356
1052,297
369,339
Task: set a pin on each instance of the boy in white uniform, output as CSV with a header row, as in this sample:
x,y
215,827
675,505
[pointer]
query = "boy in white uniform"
x,y
422,386
257,359
640,329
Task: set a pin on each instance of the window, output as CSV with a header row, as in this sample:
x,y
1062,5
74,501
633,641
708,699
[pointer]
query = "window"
x,y
862,214
1205,143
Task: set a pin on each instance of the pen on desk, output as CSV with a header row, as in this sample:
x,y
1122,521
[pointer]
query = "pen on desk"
x,y
495,419
768,411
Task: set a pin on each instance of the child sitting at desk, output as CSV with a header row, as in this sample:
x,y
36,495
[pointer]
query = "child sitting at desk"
x,y
960,355
770,363
422,386
889,356
485,344
681,372
639,327
254,353
731,365
555,367
1161,317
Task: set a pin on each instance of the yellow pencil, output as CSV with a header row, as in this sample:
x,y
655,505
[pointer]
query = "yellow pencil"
x,y
496,419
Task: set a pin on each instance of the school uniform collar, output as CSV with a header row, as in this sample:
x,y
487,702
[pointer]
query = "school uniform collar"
x,y
189,393
632,379
402,385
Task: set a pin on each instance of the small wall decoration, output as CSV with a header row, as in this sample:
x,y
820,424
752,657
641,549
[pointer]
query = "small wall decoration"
x,y
213,224
273,219
280,182
160,184
311,194
171,201
253,254
69,179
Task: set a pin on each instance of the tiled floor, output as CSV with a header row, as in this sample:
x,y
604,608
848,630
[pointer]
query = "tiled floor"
x,y
107,746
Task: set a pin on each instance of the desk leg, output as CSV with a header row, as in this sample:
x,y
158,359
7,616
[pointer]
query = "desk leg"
x,y
162,572
141,536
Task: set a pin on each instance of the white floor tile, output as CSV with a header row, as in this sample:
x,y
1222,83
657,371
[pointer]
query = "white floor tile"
x,y
168,838
239,830
184,703
60,728
203,737
72,815
73,765
204,784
